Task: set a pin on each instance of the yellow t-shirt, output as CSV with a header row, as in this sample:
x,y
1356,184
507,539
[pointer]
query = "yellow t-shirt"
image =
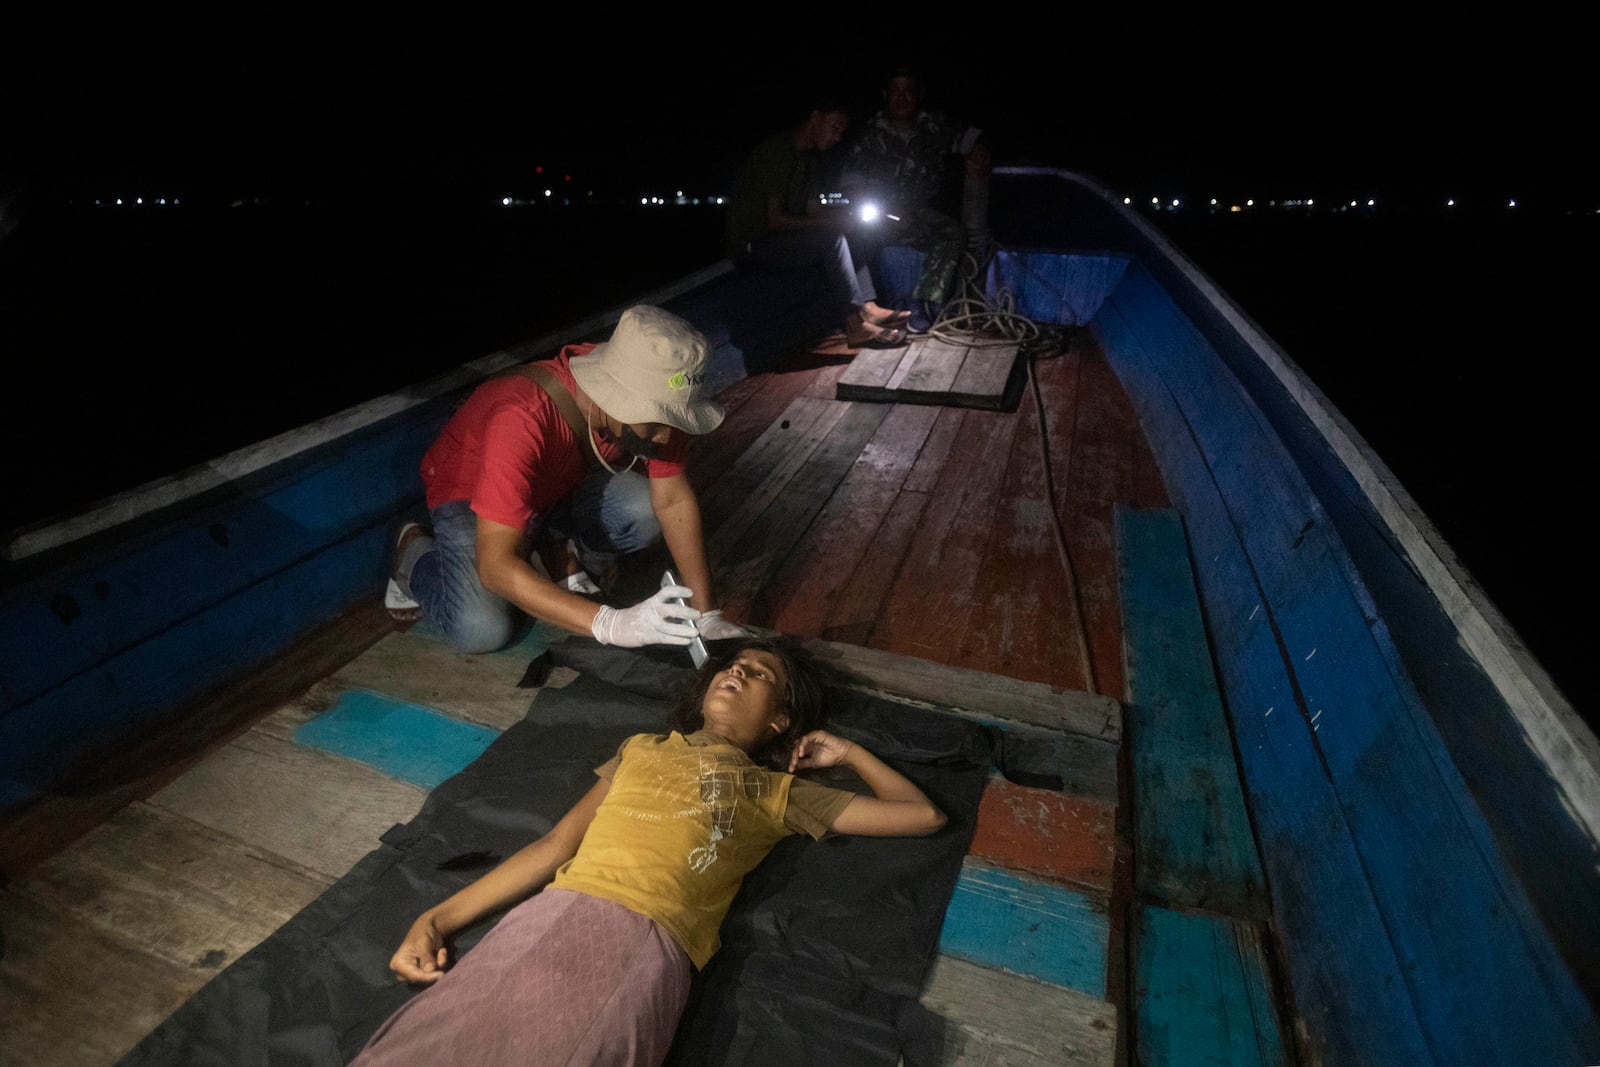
x,y
684,820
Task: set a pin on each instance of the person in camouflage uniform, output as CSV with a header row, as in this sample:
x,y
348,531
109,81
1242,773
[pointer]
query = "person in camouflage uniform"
x,y
903,161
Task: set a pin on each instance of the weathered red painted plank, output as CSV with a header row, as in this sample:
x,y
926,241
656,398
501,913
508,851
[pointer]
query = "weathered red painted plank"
x,y
823,380
930,463
798,597
856,615
1102,473
1040,831
1023,623
762,401
747,564
932,597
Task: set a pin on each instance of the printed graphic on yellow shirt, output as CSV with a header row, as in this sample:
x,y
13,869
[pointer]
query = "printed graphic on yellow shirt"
x,y
722,782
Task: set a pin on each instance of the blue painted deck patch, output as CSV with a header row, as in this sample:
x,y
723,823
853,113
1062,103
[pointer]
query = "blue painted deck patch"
x,y
401,740
1203,995
1027,927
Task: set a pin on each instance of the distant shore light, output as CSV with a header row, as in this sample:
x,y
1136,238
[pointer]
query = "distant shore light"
x,y
505,201
1511,203
1451,202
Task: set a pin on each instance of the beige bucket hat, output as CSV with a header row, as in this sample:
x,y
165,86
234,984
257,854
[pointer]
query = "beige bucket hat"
x,y
654,369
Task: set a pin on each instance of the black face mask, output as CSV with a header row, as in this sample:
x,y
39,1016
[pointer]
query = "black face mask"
x,y
638,446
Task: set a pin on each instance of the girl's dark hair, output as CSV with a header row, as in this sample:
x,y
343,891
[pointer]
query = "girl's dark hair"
x,y
802,695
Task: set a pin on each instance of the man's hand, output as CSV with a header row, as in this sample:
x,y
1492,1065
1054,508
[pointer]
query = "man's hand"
x,y
650,622
713,627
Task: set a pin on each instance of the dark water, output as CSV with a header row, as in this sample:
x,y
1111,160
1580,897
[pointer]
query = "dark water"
x,y
139,342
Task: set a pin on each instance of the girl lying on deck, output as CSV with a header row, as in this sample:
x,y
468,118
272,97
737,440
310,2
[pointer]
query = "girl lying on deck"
x,y
641,872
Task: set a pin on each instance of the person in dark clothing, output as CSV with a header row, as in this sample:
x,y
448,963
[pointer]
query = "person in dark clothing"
x,y
777,222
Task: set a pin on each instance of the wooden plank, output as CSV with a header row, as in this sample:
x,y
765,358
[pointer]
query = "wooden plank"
x,y
712,455
318,810
423,668
144,763
53,1014
1203,994
986,373
1298,609
762,473
1028,927
1048,834
983,1016
747,559
924,477
798,597
405,741
935,587
127,692
860,611
1193,837
1324,910
1105,438
994,696
1044,832
77,617
869,373
855,614
165,885
935,370
1408,811
1023,620
931,368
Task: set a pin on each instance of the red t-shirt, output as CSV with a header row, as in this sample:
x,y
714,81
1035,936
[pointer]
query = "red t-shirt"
x,y
508,452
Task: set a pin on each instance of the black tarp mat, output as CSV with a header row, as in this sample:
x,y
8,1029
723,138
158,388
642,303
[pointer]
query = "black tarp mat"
x,y
824,951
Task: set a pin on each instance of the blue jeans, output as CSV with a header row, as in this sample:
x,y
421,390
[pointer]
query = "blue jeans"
x,y
604,517
845,276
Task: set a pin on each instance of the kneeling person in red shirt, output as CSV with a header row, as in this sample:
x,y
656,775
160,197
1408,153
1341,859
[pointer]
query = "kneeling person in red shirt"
x,y
544,457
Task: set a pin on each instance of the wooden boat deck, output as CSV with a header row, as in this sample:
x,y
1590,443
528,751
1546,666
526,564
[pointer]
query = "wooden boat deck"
x,y
955,549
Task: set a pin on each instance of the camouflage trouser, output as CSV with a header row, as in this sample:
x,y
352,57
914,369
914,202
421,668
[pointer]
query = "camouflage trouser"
x,y
942,240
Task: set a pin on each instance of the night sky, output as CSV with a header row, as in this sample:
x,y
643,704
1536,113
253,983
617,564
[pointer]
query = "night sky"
x,y
297,105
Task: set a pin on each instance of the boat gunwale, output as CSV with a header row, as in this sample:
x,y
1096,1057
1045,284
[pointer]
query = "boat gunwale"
x,y
1555,730
171,490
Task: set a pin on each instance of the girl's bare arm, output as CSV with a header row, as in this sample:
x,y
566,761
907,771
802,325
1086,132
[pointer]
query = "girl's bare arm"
x,y
897,807
423,956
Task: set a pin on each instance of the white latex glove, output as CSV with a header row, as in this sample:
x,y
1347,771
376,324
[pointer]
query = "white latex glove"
x,y
713,627
649,622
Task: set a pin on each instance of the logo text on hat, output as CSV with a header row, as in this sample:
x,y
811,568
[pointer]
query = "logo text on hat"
x,y
680,380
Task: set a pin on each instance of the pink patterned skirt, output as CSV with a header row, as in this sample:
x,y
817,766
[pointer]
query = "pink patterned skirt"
x,y
564,978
